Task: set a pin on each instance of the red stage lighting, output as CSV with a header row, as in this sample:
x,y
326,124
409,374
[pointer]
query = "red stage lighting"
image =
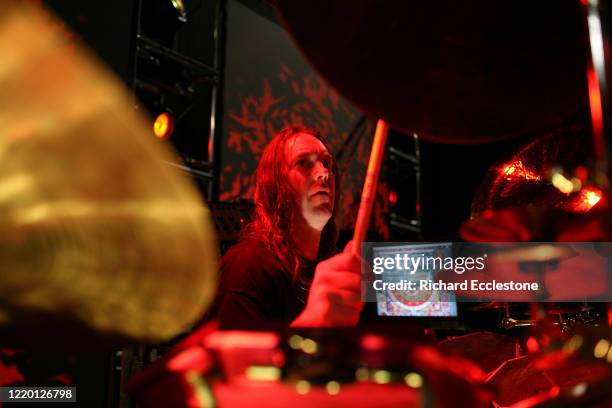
x,y
532,345
392,198
163,125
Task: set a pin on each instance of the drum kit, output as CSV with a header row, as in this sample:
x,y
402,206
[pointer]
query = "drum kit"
x,y
105,245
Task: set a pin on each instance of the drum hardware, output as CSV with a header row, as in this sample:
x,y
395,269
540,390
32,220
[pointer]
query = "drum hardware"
x,y
509,323
299,368
568,320
574,372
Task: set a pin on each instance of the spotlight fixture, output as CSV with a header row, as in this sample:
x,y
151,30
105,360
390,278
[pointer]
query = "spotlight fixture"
x,y
163,125
161,20
180,8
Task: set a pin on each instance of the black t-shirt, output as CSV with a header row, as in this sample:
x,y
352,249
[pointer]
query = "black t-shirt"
x,y
256,291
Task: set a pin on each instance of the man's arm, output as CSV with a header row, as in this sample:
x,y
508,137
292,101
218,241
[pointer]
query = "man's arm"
x,y
335,294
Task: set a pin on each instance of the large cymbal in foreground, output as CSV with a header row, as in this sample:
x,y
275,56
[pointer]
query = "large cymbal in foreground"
x,y
452,71
101,241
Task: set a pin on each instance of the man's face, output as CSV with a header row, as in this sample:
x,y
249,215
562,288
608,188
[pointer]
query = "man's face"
x,y
311,178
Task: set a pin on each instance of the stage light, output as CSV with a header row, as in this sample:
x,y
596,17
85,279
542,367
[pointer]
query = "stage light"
x,y
333,388
296,342
573,344
532,345
163,125
413,380
373,342
160,21
302,387
309,346
263,373
180,8
362,374
579,389
392,198
601,348
382,377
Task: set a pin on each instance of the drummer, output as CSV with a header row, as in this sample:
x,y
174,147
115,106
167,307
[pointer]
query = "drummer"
x,y
283,270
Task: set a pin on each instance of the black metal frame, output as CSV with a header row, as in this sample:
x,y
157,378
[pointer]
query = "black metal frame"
x,y
205,172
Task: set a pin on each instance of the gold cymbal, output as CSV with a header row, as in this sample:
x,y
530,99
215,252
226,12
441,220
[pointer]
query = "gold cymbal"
x,y
99,235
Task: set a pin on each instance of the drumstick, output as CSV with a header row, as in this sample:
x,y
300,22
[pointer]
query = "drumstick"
x,y
370,184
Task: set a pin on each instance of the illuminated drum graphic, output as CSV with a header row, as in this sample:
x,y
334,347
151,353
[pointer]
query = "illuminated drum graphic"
x,y
408,270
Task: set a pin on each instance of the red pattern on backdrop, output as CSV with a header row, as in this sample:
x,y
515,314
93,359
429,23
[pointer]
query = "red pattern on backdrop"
x,y
304,100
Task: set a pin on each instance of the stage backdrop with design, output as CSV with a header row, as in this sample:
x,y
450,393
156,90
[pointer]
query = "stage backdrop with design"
x,y
268,84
